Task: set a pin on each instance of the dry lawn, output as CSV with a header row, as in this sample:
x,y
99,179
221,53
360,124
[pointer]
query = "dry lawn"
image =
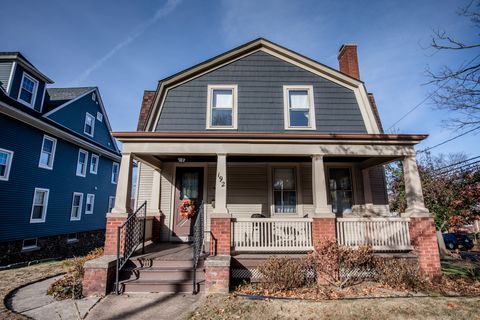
x,y
14,278
232,307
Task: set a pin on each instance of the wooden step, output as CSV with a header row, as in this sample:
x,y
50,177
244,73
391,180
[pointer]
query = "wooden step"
x,y
163,273
160,286
156,263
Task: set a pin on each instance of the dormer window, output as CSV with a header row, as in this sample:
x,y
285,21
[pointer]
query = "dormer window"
x,y
28,90
89,127
299,108
222,107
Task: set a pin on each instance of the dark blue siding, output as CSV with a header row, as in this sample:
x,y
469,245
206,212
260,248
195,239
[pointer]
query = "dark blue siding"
x,y
17,81
260,78
72,116
16,195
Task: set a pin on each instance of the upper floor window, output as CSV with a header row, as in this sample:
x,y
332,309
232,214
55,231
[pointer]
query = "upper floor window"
x,y
284,190
6,157
28,90
222,107
48,152
77,201
99,116
115,172
89,203
89,126
82,163
94,163
299,108
39,206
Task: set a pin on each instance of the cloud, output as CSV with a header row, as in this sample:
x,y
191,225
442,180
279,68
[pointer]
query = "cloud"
x,y
137,32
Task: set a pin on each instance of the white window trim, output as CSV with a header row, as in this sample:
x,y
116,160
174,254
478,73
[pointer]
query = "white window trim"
x,y
234,89
110,199
93,203
286,105
115,164
79,208
99,116
73,240
298,187
9,164
82,174
30,248
45,207
98,162
34,93
54,148
88,115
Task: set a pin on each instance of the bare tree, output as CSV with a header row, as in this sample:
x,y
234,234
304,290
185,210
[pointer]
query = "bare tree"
x,y
458,87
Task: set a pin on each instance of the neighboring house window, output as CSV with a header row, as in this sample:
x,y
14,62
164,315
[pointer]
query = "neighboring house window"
x,y
6,157
82,163
47,154
39,206
89,203
284,190
77,202
28,90
222,107
299,108
29,244
99,116
72,237
115,172
89,127
111,203
94,163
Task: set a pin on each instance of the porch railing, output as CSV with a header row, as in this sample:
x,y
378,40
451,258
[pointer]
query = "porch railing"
x,y
271,234
130,235
383,234
198,242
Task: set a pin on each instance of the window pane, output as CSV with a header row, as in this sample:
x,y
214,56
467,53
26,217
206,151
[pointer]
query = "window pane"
x,y
47,145
285,201
76,200
26,96
299,118
284,179
298,99
81,157
3,170
75,212
45,158
222,99
27,84
3,158
221,117
284,194
37,212
39,198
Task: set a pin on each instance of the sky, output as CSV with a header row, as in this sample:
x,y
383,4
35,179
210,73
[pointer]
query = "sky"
x,y
125,47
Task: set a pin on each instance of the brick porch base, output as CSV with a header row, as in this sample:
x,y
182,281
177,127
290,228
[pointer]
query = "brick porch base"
x,y
424,241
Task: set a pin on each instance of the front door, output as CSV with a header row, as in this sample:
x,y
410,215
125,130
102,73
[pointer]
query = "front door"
x,y
341,190
188,185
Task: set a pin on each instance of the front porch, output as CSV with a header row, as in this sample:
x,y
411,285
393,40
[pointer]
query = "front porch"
x,y
262,195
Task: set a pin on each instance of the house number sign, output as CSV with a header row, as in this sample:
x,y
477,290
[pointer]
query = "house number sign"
x,y
221,180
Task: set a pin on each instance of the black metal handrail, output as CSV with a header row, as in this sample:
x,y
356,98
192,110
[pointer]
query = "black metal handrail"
x,y
133,230
198,237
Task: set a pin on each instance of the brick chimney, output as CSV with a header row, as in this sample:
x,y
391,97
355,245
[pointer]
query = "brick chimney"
x,y
348,60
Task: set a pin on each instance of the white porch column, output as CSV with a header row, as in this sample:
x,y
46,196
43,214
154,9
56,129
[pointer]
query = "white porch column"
x,y
124,186
413,189
154,206
322,209
367,191
221,187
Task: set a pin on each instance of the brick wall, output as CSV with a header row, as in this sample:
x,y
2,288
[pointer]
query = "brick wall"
x,y
99,276
423,236
220,236
323,228
111,235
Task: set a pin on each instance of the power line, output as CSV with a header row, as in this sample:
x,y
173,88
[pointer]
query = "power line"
x,y
457,163
448,140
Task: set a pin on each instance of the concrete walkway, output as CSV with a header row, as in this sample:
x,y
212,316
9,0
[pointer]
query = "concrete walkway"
x,y
146,306
33,301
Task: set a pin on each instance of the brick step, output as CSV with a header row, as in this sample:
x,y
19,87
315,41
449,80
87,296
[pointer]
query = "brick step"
x,y
160,286
163,273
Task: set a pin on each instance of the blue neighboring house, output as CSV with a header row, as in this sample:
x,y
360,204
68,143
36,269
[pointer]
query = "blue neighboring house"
x,y
58,165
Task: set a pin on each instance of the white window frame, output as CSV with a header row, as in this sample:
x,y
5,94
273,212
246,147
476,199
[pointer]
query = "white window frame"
x,y
286,106
34,93
90,195
84,172
9,164
111,200
298,187
72,240
54,147
88,115
234,89
94,156
115,164
80,207
30,248
45,205
99,116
